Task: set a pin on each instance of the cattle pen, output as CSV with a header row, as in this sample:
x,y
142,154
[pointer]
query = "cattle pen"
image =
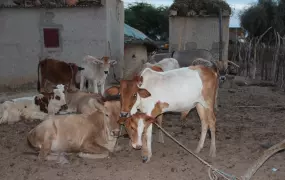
x,y
243,134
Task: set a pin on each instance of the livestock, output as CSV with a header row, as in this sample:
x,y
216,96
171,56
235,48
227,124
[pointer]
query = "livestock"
x,y
14,111
83,102
186,58
35,107
56,72
134,126
90,135
164,65
183,89
95,70
52,103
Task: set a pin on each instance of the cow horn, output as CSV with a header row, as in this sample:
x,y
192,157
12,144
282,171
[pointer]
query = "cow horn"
x,y
233,63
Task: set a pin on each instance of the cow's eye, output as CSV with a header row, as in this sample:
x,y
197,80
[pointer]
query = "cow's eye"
x,y
135,95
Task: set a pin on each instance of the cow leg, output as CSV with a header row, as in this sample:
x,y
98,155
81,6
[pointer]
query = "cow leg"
x,y
212,125
102,88
95,86
146,147
160,134
204,126
45,149
216,99
183,117
91,150
59,157
82,80
43,85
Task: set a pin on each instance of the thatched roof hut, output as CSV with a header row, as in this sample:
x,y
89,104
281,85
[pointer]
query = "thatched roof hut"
x,y
199,8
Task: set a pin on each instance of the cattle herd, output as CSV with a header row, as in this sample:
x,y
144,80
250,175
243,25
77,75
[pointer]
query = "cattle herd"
x,y
88,123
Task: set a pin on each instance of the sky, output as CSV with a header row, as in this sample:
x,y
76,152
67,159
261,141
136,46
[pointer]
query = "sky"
x,y
236,6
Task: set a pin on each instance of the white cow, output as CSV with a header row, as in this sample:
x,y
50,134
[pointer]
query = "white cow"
x,y
182,89
165,64
95,70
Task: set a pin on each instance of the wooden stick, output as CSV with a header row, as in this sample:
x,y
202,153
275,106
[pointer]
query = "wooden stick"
x,y
267,154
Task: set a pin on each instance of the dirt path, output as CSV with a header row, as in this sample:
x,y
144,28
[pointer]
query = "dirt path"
x,y
242,135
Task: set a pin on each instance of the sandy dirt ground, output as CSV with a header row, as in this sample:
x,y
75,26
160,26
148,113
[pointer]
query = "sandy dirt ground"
x,y
242,135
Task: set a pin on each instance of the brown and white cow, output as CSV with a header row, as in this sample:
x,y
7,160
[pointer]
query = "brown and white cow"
x,y
53,102
56,72
183,89
90,135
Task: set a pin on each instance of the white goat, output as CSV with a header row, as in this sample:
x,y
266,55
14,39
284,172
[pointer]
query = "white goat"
x,y
95,70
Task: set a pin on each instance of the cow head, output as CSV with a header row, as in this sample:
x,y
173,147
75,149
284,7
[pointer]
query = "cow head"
x,y
105,63
223,67
138,123
128,91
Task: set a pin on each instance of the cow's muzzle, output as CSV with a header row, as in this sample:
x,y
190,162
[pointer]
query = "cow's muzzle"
x,y
80,68
106,72
124,114
137,147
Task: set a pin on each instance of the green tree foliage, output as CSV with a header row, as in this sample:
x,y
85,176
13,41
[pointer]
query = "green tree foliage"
x,y
264,14
151,20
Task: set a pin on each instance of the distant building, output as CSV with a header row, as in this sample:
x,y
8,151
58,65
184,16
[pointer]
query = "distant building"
x,y
64,32
137,46
194,24
236,34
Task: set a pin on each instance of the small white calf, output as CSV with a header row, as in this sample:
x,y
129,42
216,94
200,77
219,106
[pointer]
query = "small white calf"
x,y
18,110
95,70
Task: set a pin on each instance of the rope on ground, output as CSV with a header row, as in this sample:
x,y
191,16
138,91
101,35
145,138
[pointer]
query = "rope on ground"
x,y
269,106
212,171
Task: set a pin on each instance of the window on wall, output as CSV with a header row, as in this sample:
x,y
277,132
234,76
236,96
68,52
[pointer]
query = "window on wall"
x,y
51,37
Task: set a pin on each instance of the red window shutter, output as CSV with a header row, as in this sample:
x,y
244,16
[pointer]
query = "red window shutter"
x,y
51,37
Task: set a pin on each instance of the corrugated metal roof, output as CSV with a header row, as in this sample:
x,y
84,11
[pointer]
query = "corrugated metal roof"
x,y
134,36
134,33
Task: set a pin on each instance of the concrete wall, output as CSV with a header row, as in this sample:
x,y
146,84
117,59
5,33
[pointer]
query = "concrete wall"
x,y
133,65
115,36
83,31
198,33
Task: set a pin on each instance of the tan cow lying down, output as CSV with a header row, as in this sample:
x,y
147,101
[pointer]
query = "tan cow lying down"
x,y
91,136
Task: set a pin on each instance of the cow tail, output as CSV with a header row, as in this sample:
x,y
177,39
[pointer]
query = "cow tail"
x,y
38,84
172,54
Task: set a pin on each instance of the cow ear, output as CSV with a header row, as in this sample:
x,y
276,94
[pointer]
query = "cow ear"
x,y
113,62
122,120
144,93
97,61
115,90
157,68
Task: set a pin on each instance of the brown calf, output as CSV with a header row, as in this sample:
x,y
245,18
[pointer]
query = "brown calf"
x,y
57,72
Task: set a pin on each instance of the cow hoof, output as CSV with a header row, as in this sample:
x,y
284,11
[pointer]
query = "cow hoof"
x,y
145,159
